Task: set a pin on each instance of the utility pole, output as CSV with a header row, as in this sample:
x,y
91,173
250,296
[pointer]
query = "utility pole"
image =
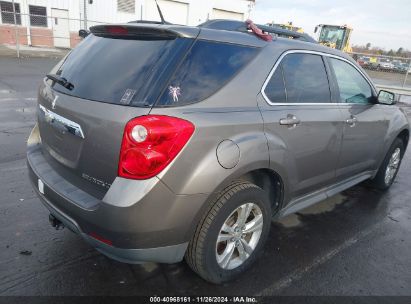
x,y
25,12
85,14
406,73
16,33
251,4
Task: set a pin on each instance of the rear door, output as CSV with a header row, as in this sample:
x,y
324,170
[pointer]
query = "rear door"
x,y
112,80
365,122
301,122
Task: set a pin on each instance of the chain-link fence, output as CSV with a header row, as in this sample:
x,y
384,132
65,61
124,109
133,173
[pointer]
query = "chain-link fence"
x,y
36,26
386,70
21,32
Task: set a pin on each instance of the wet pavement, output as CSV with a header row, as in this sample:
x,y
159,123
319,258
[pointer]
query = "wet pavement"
x,y
355,243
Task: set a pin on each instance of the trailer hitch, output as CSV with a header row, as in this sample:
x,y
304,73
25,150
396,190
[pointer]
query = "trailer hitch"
x,y
54,222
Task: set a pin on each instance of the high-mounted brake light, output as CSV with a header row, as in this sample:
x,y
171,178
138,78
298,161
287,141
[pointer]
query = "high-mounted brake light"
x,y
150,143
116,30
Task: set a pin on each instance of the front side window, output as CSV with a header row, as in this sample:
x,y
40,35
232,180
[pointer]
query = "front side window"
x,y
305,79
352,85
38,15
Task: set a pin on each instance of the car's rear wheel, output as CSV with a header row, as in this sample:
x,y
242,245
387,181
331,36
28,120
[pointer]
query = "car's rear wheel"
x,y
389,168
230,236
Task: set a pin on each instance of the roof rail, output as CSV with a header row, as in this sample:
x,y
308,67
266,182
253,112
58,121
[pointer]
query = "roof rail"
x,y
240,26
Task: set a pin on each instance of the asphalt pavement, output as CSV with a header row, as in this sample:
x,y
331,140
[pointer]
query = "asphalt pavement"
x,y
355,243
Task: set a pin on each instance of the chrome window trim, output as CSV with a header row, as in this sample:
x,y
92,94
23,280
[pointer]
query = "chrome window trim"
x,y
279,60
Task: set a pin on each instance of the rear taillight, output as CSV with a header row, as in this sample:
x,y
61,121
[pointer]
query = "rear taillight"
x,y
150,143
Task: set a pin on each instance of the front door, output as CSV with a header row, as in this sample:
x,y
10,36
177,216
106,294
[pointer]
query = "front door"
x,y
61,31
301,123
365,122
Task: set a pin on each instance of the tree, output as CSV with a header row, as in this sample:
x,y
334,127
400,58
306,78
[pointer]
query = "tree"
x,y
390,53
367,46
400,50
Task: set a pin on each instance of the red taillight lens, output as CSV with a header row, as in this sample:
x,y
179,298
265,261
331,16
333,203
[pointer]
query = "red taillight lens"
x,y
116,30
150,143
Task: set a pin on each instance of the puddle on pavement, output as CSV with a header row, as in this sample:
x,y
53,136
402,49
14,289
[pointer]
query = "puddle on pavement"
x,y
324,206
289,221
327,205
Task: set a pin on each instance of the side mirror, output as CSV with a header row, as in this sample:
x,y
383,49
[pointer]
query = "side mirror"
x,y
83,33
315,29
386,97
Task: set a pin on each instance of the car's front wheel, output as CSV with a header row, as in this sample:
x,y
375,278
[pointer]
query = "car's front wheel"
x,y
389,167
232,233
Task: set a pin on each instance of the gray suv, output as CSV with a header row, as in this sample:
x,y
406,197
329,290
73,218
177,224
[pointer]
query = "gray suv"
x,y
163,142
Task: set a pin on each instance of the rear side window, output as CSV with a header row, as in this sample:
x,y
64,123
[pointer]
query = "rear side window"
x,y
305,79
206,68
299,78
121,71
275,89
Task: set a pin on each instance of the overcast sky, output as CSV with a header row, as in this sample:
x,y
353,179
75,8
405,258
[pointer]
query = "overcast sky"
x,y
386,24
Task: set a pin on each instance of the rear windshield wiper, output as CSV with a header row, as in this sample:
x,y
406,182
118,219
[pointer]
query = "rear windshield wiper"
x,y
61,81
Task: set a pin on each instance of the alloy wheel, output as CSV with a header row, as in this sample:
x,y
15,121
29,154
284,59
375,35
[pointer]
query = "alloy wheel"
x,y
392,166
239,236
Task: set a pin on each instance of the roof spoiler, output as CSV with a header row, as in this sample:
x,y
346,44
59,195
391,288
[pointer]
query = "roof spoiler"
x,y
240,26
134,32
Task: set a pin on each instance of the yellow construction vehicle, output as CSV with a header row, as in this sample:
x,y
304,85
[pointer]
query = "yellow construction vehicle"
x,y
335,36
287,26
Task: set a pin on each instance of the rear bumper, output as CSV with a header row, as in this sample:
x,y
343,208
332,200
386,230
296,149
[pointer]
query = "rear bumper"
x,y
167,254
144,220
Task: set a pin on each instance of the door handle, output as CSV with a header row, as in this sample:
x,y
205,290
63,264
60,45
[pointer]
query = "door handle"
x,y
291,121
351,121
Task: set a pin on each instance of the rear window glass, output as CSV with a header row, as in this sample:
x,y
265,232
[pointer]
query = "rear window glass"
x,y
206,68
121,71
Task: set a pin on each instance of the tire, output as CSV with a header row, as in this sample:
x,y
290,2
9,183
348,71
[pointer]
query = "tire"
x,y
380,181
203,250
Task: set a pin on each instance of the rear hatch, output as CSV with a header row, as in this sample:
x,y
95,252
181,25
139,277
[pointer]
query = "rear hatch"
x,y
115,74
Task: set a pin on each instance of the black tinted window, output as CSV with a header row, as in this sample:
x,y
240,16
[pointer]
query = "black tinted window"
x,y
7,14
206,68
305,79
275,89
121,71
38,15
352,85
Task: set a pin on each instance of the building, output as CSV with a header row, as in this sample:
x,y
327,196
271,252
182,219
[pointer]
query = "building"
x,y
55,23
